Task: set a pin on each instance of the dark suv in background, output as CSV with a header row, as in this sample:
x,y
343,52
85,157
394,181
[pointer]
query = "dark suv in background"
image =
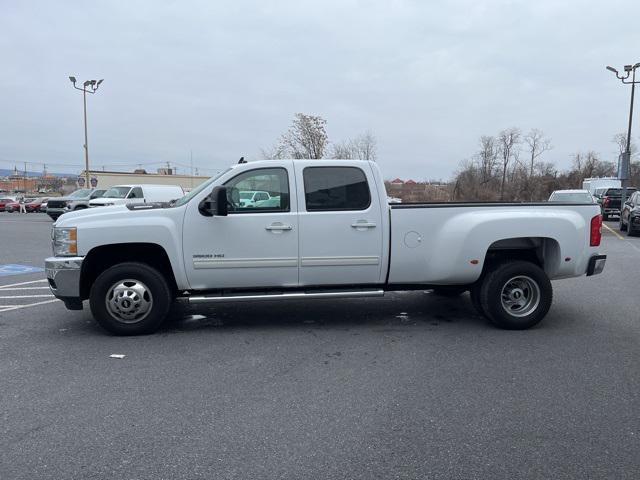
x,y
611,200
630,215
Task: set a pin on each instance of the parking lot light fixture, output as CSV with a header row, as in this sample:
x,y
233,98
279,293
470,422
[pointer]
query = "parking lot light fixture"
x,y
89,86
630,71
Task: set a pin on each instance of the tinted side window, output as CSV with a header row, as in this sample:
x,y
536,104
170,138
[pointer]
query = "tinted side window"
x,y
335,188
241,189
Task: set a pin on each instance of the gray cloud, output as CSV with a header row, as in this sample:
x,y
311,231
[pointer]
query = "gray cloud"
x,y
224,78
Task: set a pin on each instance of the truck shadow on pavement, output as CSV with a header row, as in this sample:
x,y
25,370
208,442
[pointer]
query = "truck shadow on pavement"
x,y
395,310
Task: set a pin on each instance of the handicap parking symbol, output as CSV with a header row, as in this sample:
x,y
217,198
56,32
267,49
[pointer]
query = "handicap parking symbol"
x,y
11,269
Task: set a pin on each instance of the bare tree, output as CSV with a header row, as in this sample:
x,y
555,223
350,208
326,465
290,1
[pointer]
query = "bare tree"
x,y
342,150
538,144
366,146
306,138
508,141
487,158
362,147
274,153
620,139
589,165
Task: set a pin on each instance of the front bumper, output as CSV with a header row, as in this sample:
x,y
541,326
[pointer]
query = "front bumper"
x,y
63,274
596,265
56,212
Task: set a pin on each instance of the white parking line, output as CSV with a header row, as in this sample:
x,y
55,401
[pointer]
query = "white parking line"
x,y
18,307
23,288
26,296
22,283
620,237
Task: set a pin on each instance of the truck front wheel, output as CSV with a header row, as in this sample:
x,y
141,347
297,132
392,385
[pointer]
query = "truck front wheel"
x,y
130,299
516,295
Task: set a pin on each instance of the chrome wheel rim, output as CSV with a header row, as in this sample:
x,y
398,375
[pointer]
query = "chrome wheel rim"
x,y
129,301
520,296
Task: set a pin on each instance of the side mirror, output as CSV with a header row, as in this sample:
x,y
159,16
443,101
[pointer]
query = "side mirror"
x,y
215,204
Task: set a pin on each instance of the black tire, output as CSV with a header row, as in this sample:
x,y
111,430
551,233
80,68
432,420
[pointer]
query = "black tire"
x,y
133,281
623,227
605,216
449,290
631,232
527,283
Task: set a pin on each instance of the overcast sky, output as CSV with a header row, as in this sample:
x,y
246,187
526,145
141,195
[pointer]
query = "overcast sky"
x,y
223,79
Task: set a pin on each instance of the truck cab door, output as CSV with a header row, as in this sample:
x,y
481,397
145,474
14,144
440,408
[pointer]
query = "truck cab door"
x,y
254,245
341,224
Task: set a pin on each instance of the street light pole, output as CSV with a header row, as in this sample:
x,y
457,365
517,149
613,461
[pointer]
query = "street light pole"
x,y
625,160
89,86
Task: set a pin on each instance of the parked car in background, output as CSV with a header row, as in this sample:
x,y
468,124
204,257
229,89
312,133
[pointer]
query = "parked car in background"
x,y
78,200
630,215
250,198
4,201
133,194
13,206
271,202
611,200
35,205
572,196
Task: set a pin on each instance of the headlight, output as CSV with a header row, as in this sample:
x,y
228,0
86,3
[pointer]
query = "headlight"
x,y
65,241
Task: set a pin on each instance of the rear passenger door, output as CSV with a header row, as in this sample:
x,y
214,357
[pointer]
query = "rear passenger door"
x,y
340,224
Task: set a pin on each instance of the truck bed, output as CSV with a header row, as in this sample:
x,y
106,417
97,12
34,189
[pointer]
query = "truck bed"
x,y
448,243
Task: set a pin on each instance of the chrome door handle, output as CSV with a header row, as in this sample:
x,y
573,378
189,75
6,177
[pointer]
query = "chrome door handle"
x,y
363,224
278,227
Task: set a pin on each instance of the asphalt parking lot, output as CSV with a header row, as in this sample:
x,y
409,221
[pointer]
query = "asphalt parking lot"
x,y
407,386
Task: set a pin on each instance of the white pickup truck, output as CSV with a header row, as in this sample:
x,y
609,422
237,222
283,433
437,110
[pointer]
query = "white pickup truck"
x,y
329,233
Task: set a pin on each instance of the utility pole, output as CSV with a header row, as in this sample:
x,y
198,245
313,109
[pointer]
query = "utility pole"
x,y
24,178
90,86
625,158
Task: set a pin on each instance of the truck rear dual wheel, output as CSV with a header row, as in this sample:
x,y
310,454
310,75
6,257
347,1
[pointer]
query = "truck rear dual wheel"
x,y
514,295
130,299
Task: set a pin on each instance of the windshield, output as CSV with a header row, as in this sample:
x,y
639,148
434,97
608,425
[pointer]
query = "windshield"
x,y
81,193
246,195
198,189
117,192
571,197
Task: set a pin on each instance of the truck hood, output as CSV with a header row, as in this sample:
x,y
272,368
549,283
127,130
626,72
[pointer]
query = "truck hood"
x,y
112,213
72,219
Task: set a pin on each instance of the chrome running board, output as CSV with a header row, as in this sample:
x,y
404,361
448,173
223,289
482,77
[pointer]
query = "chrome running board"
x,y
285,296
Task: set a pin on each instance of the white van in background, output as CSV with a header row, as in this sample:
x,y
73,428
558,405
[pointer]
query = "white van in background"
x,y
132,194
